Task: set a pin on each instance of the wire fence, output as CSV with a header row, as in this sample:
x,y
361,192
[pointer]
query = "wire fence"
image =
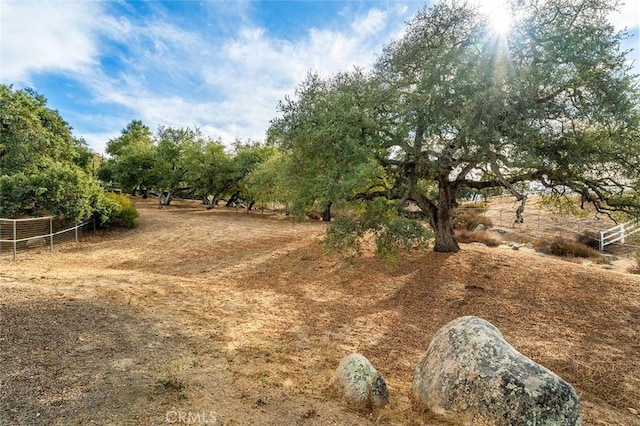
x,y
545,225
18,235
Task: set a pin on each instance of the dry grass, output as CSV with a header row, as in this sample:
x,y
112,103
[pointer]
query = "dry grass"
x,y
635,269
491,239
589,239
246,316
558,246
469,219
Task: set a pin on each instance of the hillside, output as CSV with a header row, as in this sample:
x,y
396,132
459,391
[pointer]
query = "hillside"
x,y
243,318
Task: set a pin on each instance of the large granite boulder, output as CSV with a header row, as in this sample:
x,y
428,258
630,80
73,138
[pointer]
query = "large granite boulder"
x,y
359,383
471,374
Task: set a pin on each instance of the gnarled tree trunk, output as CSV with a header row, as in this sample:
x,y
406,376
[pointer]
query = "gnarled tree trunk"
x,y
326,213
444,236
441,216
164,199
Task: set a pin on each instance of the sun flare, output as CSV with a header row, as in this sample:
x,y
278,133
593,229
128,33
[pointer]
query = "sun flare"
x,y
498,15
500,21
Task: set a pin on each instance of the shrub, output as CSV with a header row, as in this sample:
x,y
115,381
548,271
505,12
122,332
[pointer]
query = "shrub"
x,y
635,269
485,237
589,239
558,246
479,207
124,212
469,219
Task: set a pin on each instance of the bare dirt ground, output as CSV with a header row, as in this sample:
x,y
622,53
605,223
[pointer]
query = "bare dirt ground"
x,y
225,318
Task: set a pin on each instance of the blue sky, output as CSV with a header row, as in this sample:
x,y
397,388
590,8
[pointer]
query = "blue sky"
x,y
218,65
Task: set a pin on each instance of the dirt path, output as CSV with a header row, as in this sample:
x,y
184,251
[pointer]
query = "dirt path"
x,y
240,319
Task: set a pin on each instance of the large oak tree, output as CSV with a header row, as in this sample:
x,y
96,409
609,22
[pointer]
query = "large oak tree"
x,y
41,163
451,105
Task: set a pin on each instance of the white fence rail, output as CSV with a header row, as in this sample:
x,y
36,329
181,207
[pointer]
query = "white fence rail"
x,y
618,233
23,234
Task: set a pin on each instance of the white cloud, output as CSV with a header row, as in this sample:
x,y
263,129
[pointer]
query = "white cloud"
x,y
228,83
371,23
38,36
245,75
628,16
98,141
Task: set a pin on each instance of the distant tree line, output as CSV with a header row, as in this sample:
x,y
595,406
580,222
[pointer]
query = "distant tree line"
x,y
182,162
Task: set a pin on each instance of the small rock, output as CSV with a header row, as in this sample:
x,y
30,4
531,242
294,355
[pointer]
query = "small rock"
x,y
357,380
606,266
480,228
470,373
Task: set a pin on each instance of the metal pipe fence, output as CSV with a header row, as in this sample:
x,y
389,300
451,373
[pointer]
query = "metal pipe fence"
x,y
24,234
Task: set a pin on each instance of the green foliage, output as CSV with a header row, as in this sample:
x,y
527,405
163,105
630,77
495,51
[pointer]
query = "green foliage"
x,y
561,204
401,233
31,132
343,236
451,109
558,246
390,232
65,190
43,169
174,150
133,159
123,212
325,133
180,161
269,181
247,158
208,169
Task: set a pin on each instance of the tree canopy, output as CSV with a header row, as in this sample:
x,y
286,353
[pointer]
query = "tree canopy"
x,y
43,168
452,106
181,161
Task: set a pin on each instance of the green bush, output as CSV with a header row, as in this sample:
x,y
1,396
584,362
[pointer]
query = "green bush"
x,y
558,246
123,211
